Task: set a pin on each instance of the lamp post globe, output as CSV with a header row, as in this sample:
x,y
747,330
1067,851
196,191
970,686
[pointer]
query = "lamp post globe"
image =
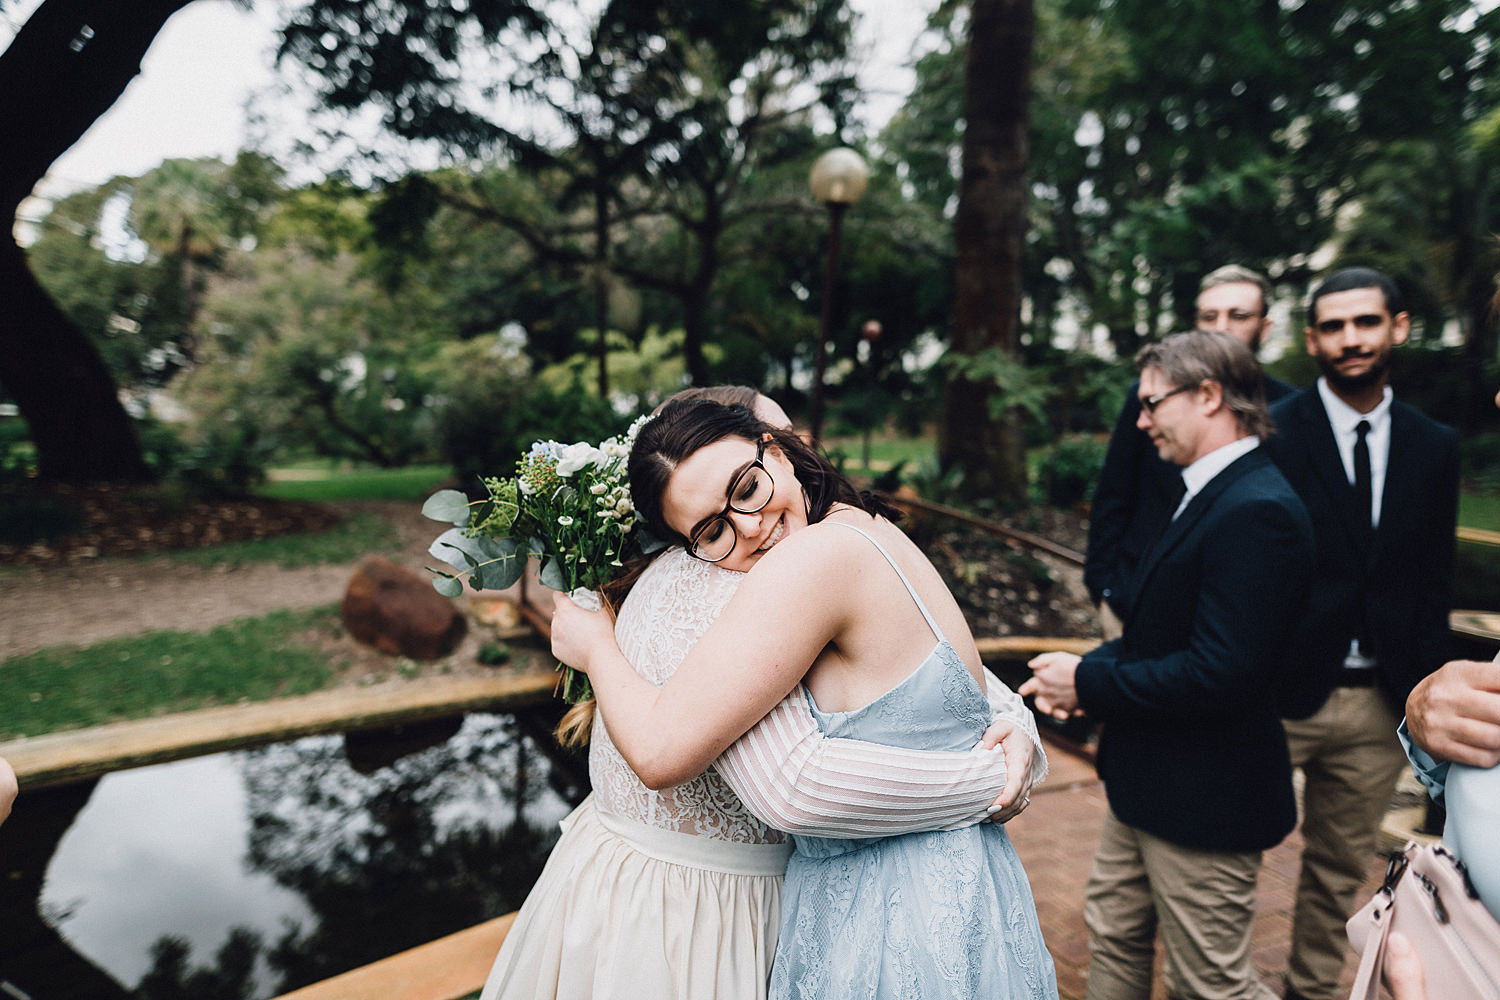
x,y
838,179
839,176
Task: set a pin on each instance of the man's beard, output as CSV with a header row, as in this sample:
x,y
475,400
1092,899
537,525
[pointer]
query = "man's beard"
x,y
1379,365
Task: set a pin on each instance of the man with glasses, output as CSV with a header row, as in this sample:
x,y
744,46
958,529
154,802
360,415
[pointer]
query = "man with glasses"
x,y
1136,489
1191,750
1381,483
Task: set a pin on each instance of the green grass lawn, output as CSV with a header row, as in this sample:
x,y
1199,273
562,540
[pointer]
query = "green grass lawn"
x,y
885,452
252,659
1479,510
328,482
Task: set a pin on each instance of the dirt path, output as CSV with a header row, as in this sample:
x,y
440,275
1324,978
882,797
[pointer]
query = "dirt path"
x,y
82,604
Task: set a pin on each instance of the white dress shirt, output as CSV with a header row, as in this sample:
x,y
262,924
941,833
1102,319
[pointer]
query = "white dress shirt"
x,y
1344,419
1202,472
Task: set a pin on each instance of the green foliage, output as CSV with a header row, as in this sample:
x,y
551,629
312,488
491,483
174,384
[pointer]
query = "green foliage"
x,y
28,516
129,261
217,458
1476,577
252,659
1481,465
1069,470
1013,385
17,454
1238,131
494,654
309,354
647,371
568,506
481,433
667,128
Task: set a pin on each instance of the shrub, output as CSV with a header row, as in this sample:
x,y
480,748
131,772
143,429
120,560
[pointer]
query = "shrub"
x,y
1481,461
28,516
224,457
485,436
17,454
1069,470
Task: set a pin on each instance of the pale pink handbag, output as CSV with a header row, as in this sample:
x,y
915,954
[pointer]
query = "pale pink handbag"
x,y
1427,896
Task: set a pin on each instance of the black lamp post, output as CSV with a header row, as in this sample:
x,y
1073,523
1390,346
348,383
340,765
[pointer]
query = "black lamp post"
x,y
838,179
871,332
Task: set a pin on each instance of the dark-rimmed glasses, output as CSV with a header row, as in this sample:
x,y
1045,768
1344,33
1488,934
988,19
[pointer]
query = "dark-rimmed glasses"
x,y
1150,403
749,493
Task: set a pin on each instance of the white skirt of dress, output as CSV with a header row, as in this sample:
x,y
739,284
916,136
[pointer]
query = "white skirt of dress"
x,y
623,910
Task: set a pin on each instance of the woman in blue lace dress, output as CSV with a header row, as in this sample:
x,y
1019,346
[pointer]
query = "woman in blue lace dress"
x,y
838,598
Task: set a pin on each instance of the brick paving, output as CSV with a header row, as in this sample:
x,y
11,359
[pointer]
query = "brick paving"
x,y
1056,838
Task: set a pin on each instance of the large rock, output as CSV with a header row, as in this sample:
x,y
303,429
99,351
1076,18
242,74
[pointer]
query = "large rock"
x,y
398,612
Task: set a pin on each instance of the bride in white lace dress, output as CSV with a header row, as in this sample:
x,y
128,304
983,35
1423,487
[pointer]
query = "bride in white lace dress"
x,y
676,893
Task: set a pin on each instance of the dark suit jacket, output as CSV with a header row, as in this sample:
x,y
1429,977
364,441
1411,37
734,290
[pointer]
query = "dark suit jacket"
x,y
1402,593
1191,748
1136,493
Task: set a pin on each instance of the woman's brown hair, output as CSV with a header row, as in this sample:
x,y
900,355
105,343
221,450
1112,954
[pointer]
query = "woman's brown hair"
x,y
578,722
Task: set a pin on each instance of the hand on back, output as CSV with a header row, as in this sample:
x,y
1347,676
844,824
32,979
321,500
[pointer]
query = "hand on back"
x,y
1454,713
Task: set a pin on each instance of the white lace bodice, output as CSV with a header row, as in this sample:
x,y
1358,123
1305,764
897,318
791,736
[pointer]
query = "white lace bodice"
x,y
793,777
670,606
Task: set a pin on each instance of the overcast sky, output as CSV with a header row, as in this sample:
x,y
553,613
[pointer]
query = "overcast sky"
x,y
212,58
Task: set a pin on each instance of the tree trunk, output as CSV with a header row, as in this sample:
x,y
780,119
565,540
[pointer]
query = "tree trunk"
x,y
601,279
988,236
66,66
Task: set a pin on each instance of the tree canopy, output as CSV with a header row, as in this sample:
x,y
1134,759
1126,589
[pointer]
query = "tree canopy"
x,y
631,180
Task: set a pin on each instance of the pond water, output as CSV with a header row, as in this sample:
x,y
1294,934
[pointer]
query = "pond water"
x,y
245,875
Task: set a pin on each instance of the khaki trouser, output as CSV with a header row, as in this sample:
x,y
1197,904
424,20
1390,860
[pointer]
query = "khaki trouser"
x,y
1350,759
1109,622
1203,902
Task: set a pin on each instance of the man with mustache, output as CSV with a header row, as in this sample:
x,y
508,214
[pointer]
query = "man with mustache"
x,y
1380,481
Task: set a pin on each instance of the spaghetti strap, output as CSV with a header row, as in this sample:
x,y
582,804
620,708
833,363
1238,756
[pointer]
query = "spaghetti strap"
x,y
931,622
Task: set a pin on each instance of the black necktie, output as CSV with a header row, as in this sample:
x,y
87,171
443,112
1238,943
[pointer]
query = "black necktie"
x,y
1362,493
1363,498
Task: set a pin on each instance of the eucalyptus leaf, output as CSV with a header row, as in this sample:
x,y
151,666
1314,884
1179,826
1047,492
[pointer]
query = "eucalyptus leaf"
x,y
458,550
447,505
448,586
501,567
648,542
552,575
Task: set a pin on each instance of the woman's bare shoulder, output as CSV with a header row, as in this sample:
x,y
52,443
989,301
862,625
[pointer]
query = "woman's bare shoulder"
x,y
824,550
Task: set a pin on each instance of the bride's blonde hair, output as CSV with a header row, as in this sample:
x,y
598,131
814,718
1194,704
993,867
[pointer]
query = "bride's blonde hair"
x,y
578,722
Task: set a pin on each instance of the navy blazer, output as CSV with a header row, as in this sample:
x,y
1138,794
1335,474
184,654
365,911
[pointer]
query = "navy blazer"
x,y
1191,747
1136,493
1401,592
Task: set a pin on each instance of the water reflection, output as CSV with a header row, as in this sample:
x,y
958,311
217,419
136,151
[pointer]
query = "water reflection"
x,y
245,875
180,827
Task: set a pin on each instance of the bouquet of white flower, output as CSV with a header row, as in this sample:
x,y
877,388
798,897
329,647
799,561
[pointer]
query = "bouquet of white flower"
x,y
568,506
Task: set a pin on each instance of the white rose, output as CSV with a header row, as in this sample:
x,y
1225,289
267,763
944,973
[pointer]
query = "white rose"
x,y
576,457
